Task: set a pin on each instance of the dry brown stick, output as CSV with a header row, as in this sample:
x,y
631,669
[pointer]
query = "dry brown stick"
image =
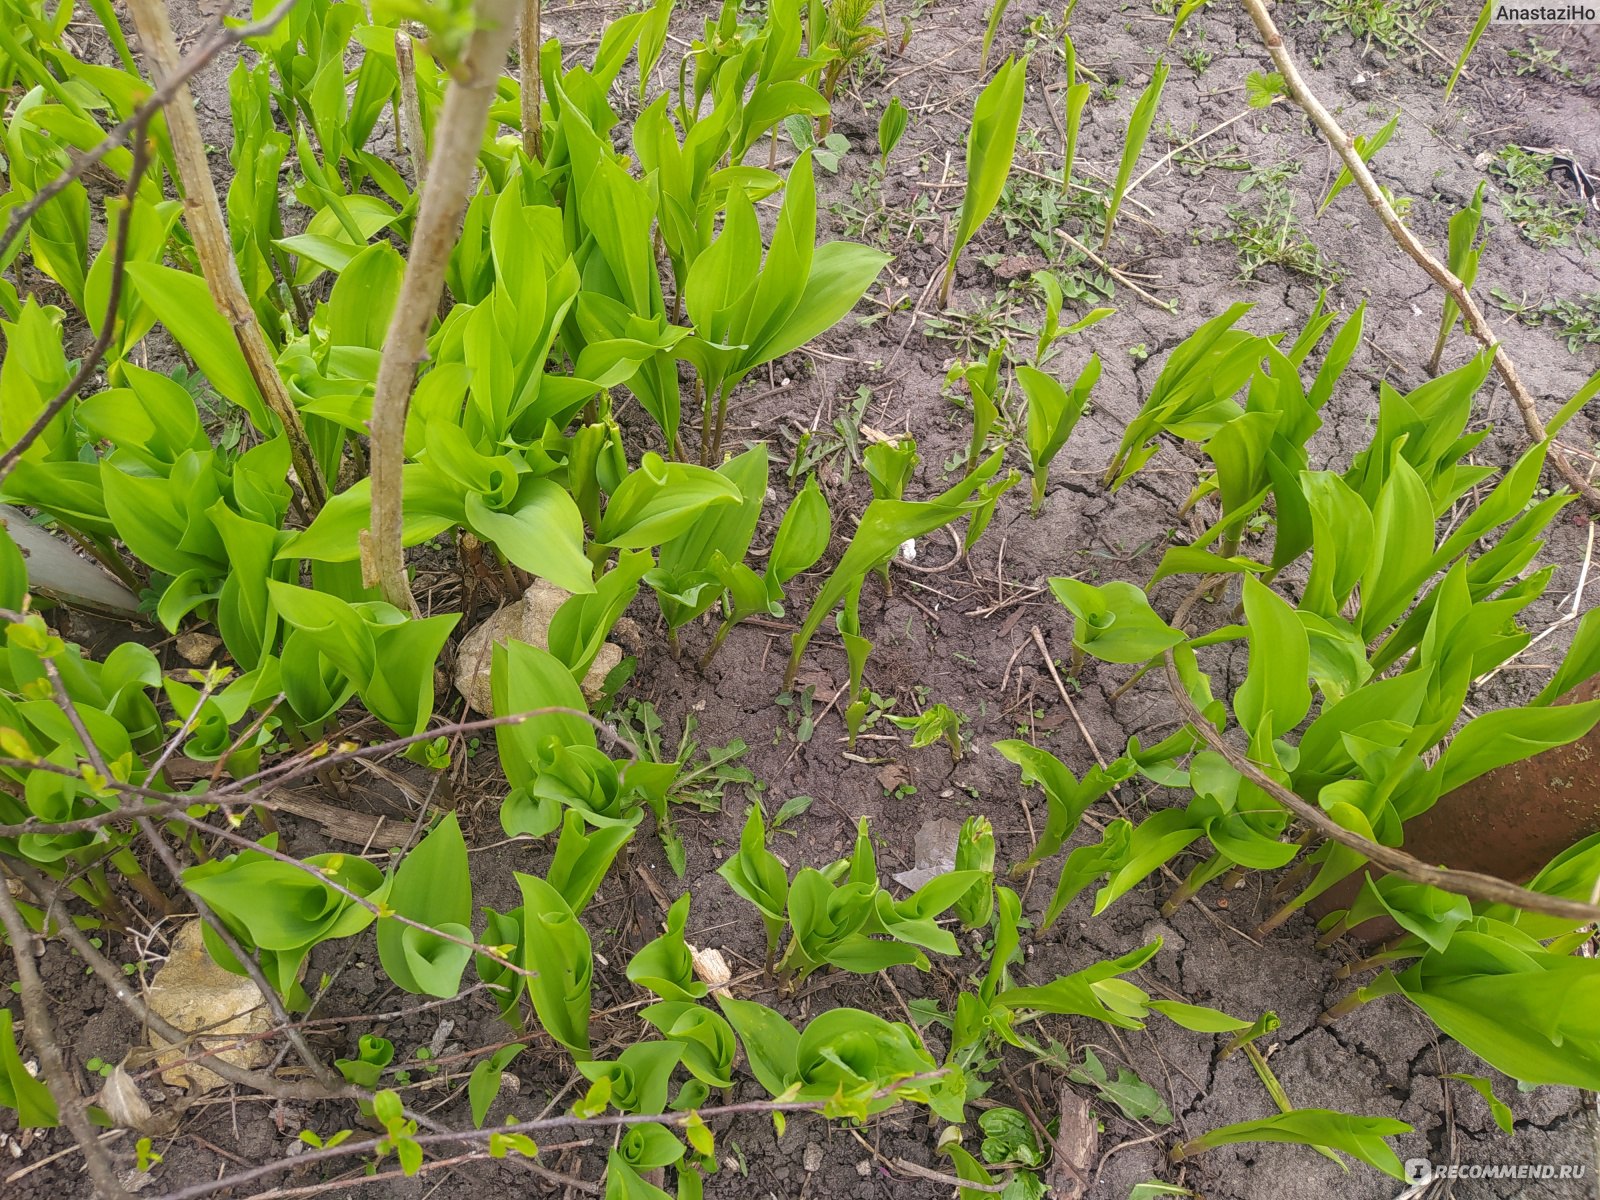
x,y
1472,884
263,1083
532,82
456,141
252,967
203,216
1344,145
1050,665
42,1035
108,327
1191,144
405,60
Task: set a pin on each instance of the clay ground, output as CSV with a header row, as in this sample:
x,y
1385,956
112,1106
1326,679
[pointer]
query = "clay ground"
x,y
969,635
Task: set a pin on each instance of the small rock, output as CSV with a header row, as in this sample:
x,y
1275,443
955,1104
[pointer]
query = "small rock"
x,y
527,620
812,1159
935,852
197,649
864,1167
192,992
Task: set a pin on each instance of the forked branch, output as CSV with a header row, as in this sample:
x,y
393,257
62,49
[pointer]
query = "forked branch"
x,y
1344,145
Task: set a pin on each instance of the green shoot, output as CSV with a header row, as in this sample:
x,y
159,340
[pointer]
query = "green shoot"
x,y
1144,112
991,145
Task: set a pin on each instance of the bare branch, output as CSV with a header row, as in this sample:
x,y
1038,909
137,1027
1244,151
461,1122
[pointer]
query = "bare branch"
x,y
607,1121
203,215
1472,884
108,327
117,135
42,1035
116,981
1344,146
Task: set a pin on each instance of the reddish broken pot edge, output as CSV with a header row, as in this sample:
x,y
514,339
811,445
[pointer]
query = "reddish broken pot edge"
x,y
1508,822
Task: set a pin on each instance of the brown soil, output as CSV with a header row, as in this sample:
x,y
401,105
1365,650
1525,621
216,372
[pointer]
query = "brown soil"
x,y
966,633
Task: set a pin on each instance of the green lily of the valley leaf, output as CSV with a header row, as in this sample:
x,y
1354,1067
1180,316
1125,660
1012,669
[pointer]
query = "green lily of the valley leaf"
x,y
556,946
665,965
1114,622
431,886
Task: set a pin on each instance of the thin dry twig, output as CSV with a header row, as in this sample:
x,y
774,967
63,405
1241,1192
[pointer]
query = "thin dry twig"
x,y
1072,708
196,62
1344,145
538,1125
116,981
1471,884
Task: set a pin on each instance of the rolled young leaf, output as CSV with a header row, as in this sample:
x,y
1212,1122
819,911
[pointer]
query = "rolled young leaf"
x,y
991,145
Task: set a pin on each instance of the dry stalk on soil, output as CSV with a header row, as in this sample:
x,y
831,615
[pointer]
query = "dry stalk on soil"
x,y
532,83
203,215
1344,145
450,171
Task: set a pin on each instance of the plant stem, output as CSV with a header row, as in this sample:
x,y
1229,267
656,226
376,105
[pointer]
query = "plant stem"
x,y
128,865
716,643
532,83
1342,1009
1438,346
1204,872
722,416
1344,145
203,216
1278,918
1384,953
1122,688
1229,548
1335,931
457,138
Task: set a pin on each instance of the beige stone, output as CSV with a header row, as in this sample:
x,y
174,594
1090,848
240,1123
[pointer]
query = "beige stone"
x,y
198,649
526,620
193,993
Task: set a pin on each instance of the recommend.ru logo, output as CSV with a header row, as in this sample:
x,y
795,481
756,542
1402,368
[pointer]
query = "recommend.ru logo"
x,y
1420,1170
